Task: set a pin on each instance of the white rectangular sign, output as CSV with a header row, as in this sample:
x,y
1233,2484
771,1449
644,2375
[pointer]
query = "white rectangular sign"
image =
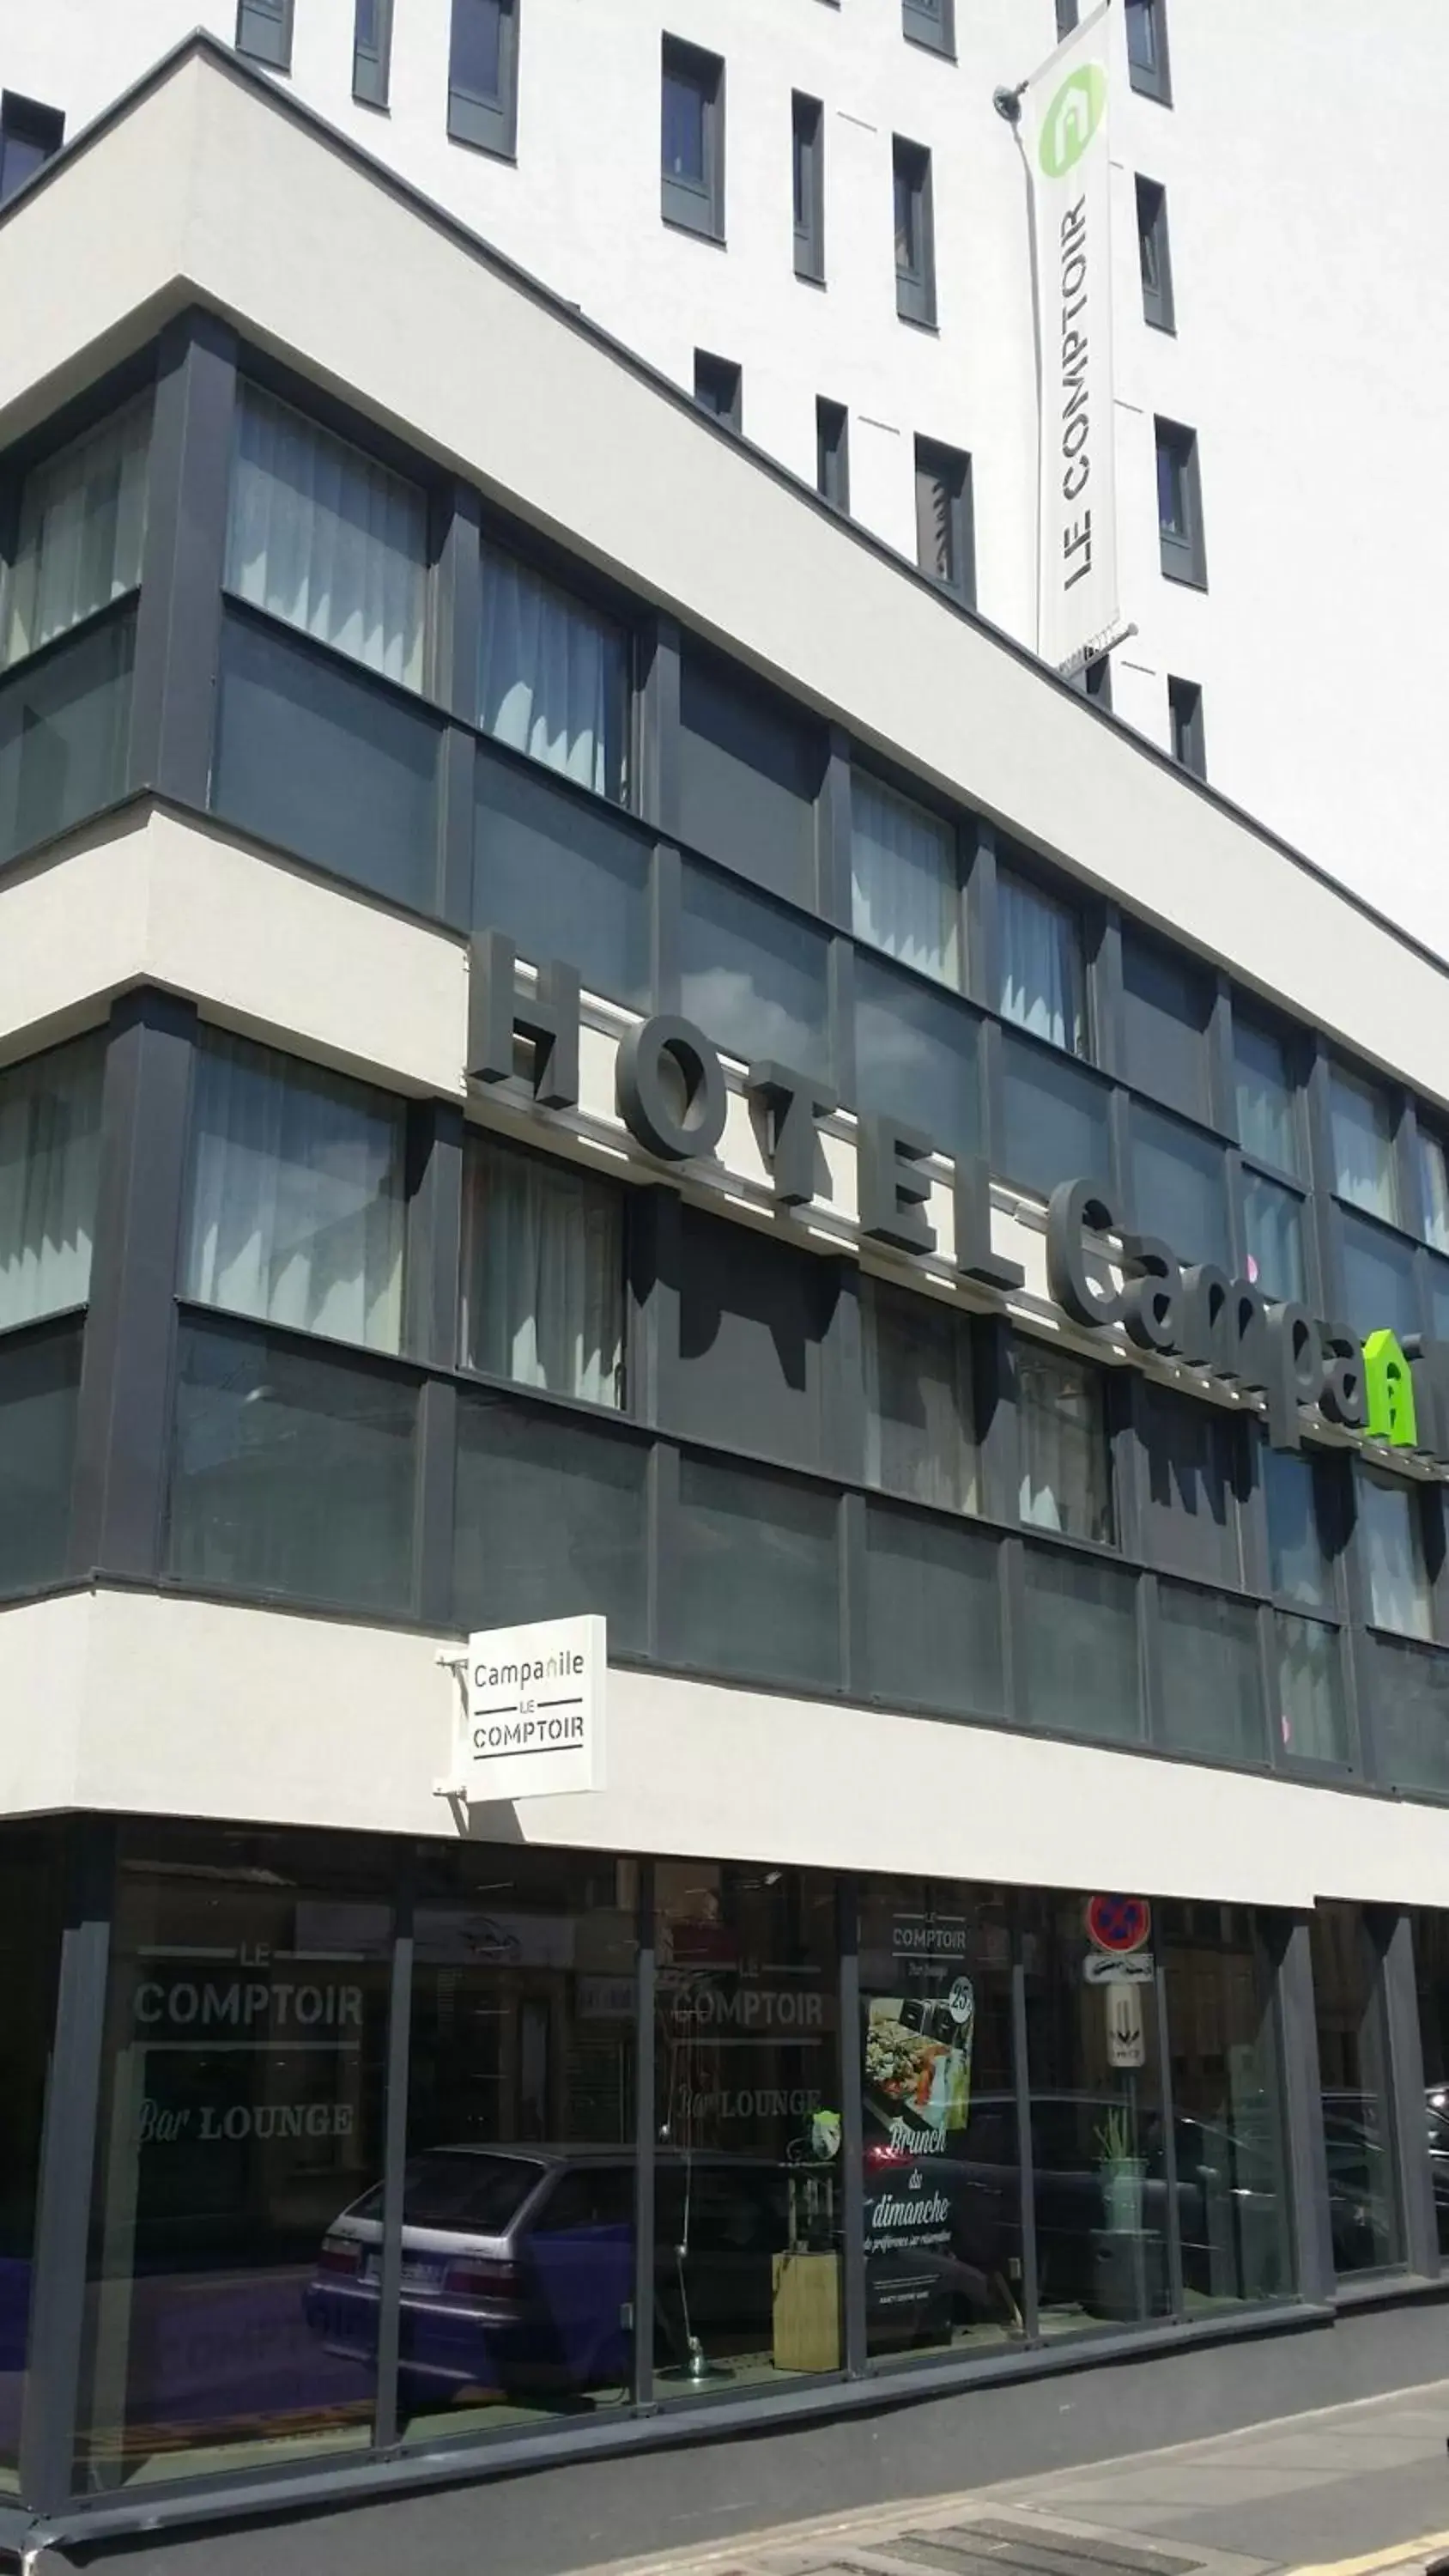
x,y
1064,134
533,1722
1118,1968
1126,2026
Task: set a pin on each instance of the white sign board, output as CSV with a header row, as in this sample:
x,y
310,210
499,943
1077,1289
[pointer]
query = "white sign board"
x,y
1064,133
1126,2026
532,1723
1118,1968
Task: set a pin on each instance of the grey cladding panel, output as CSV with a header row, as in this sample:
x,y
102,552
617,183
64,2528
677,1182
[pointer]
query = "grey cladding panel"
x,y
749,780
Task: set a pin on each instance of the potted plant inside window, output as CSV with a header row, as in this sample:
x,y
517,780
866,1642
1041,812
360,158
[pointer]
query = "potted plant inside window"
x,y
1129,2269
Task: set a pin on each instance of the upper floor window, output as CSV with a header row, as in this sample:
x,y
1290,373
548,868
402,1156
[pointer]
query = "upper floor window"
x,y
1153,256
930,22
1166,1005
483,74
1066,19
919,1434
296,1197
945,527
1042,981
321,535
553,676
78,542
1179,505
719,389
1267,1094
371,51
832,453
1305,1499
1185,725
264,31
1364,1162
807,163
915,232
50,1141
543,1274
692,139
1434,1188
905,897
1391,1535
30,135
1066,1473
1147,48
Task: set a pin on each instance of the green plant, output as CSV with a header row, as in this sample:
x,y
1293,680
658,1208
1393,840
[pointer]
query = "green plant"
x,y
1113,2143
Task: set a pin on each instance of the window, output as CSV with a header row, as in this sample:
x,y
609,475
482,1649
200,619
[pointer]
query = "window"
x,y
483,75
550,1517
1079,1665
832,457
1042,983
919,1435
1310,1713
750,772
1152,254
1193,1456
1379,1286
1364,1163
264,31
807,146
78,539
745,1368
1210,1702
30,135
50,1145
916,1056
753,1583
915,233
324,537
932,1613
1306,1504
692,140
1054,1118
1434,1189
296,1204
543,857
754,977
719,389
1184,715
1354,2071
1267,1094
1166,1006
1179,505
65,734
1093,680
1147,49
543,1274
1066,1476
930,22
371,51
1179,1186
553,676
1229,2132
945,525
1066,19
904,892
1273,1238
39,1386
1391,1536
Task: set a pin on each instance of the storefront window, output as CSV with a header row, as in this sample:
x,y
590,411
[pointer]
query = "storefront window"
x,y
518,2192
943,2255
1431,1970
232,2307
748,2273
1098,2148
1232,2194
1353,2069
32,1863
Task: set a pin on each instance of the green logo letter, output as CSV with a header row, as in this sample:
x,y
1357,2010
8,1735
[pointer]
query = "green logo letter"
x,y
1072,119
1389,1390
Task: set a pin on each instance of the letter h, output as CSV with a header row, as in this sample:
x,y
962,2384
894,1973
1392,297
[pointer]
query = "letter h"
x,y
549,1016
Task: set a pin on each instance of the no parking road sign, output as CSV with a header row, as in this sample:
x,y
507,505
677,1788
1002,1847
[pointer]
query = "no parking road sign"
x,y
1119,1924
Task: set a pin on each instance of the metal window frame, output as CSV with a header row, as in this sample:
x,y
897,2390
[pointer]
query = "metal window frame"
x,y
832,453
1152,80
686,207
488,124
949,471
1189,742
1184,553
807,141
727,373
264,32
1157,300
916,284
372,63
930,24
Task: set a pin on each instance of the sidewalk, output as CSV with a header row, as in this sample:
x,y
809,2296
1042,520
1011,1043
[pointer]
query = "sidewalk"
x,y
1342,2492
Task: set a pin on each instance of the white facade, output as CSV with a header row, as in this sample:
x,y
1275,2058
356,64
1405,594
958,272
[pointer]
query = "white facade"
x,y
1300,158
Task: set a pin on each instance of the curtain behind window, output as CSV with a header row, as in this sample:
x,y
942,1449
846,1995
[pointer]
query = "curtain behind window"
x,y
543,1282
1363,1146
1398,1585
323,536
551,676
903,879
296,1195
1065,1475
50,1135
1041,965
82,520
918,1402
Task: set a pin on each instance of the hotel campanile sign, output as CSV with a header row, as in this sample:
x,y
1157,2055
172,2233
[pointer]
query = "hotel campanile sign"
x,y
671,1094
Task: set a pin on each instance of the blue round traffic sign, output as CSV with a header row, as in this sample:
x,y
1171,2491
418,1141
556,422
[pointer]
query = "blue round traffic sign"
x,y
1119,1923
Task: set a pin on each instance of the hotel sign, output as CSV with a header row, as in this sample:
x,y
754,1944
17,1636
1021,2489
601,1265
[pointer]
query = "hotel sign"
x,y
531,1722
671,1094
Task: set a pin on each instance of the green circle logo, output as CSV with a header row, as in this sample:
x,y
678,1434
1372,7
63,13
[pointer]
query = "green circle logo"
x,y
1072,119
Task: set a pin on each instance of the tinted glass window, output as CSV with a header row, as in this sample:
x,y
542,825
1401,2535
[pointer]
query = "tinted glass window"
x,y
1267,1096
63,734
1043,982
752,977
1066,1474
563,880
1079,1672
1307,1508
1195,1471
1054,1119
1211,1700
1363,1145
1378,1279
50,1148
550,1519
543,1274
932,1615
39,1383
1179,1187
1273,1238
1353,2066
753,1317
754,1587
919,1430
1165,1009
915,1055
749,779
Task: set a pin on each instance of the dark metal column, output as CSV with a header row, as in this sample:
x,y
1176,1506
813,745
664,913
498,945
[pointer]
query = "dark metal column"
x,y
431,1334
395,2140
1287,1941
645,2123
852,2129
1393,1936
178,621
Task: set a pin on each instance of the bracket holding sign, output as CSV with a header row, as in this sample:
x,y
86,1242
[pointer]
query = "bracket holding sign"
x,y
530,1719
